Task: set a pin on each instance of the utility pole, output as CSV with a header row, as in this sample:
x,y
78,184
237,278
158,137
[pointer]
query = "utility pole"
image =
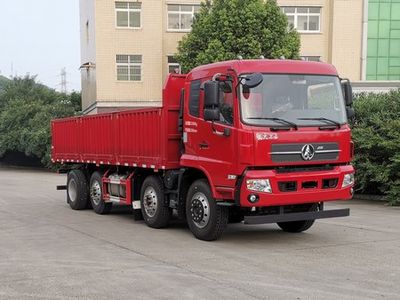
x,y
63,81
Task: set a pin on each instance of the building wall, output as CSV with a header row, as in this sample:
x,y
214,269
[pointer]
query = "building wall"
x,y
346,45
338,42
146,41
171,38
383,54
314,44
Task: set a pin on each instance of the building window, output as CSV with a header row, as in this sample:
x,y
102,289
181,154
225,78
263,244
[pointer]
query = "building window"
x,y
128,14
173,65
311,58
180,17
304,19
129,67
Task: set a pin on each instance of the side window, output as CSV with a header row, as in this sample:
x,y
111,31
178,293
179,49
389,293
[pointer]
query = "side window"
x,y
226,103
194,100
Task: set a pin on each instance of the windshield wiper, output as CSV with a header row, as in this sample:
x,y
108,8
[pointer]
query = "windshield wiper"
x,y
326,120
278,120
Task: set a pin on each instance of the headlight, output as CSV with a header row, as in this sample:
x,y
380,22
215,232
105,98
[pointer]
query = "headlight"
x,y
259,185
348,180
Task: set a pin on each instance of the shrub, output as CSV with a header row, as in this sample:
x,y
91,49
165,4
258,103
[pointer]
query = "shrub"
x,y
376,133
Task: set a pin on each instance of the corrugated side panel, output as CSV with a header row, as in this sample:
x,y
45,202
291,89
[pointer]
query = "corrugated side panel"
x,y
97,139
140,137
145,138
65,140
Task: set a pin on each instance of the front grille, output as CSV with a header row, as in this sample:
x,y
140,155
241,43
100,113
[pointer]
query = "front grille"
x,y
304,169
293,186
330,183
309,184
287,186
281,153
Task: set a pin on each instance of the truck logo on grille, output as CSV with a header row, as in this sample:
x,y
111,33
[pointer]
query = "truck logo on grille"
x,y
307,152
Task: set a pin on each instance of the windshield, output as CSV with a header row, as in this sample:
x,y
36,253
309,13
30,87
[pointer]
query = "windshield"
x,y
305,100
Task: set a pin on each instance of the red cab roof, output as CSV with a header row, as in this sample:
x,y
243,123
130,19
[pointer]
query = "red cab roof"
x,y
283,66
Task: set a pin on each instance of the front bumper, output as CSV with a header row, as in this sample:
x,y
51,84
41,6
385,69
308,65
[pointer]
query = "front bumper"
x,y
300,216
305,187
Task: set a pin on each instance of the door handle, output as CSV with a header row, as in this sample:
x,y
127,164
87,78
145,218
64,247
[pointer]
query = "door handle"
x,y
203,145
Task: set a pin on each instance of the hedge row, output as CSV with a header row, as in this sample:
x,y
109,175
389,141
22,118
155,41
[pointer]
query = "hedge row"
x,y
376,133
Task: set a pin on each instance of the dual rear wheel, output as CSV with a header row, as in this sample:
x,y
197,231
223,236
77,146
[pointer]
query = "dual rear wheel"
x,y
81,193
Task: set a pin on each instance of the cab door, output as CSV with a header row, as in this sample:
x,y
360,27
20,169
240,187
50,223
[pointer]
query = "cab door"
x,y
214,143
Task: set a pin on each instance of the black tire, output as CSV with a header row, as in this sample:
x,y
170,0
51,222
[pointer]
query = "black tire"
x,y
298,226
155,213
96,195
137,214
77,190
200,203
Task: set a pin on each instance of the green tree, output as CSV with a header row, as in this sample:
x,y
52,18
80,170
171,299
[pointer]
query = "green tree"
x,y
224,29
3,82
26,108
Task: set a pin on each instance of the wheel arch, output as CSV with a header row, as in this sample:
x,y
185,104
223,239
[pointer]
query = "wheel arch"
x,y
193,174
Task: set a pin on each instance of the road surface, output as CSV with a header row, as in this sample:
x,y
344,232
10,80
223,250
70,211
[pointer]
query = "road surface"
x,y
48,251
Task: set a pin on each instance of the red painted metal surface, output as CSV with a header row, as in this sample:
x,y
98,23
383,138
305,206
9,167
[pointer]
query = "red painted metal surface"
x,y
127,183
146,138
301,195
242,150
265,66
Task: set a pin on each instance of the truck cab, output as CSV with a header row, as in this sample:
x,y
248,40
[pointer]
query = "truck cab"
x,y
270,132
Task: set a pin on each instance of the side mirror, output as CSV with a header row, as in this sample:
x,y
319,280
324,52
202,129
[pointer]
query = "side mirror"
x,y
348,92
226,86
350,113
252,80
211,94
211,114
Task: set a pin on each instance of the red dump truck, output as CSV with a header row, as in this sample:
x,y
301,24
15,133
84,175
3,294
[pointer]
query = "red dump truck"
x,y
252,141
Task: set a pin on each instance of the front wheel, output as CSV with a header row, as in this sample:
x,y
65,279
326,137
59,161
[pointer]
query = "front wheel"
x,y
207,221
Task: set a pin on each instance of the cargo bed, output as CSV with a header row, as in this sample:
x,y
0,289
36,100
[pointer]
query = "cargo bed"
x,y
147,138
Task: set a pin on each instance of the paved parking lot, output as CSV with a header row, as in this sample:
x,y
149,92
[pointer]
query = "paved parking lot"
x,y
48,250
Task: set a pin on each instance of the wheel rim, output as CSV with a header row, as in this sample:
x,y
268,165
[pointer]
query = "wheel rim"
x,y
72,190
200,210
95,193
150,201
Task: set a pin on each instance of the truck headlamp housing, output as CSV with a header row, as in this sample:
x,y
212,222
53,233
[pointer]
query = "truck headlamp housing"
x,y
259,185
348,180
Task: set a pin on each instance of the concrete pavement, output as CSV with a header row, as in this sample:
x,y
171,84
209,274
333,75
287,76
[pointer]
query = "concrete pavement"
x,y
48,251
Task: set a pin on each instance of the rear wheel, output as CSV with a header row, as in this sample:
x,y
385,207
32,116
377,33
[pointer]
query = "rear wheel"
x,y
205,218
77,190
298,226
96,195
155,213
